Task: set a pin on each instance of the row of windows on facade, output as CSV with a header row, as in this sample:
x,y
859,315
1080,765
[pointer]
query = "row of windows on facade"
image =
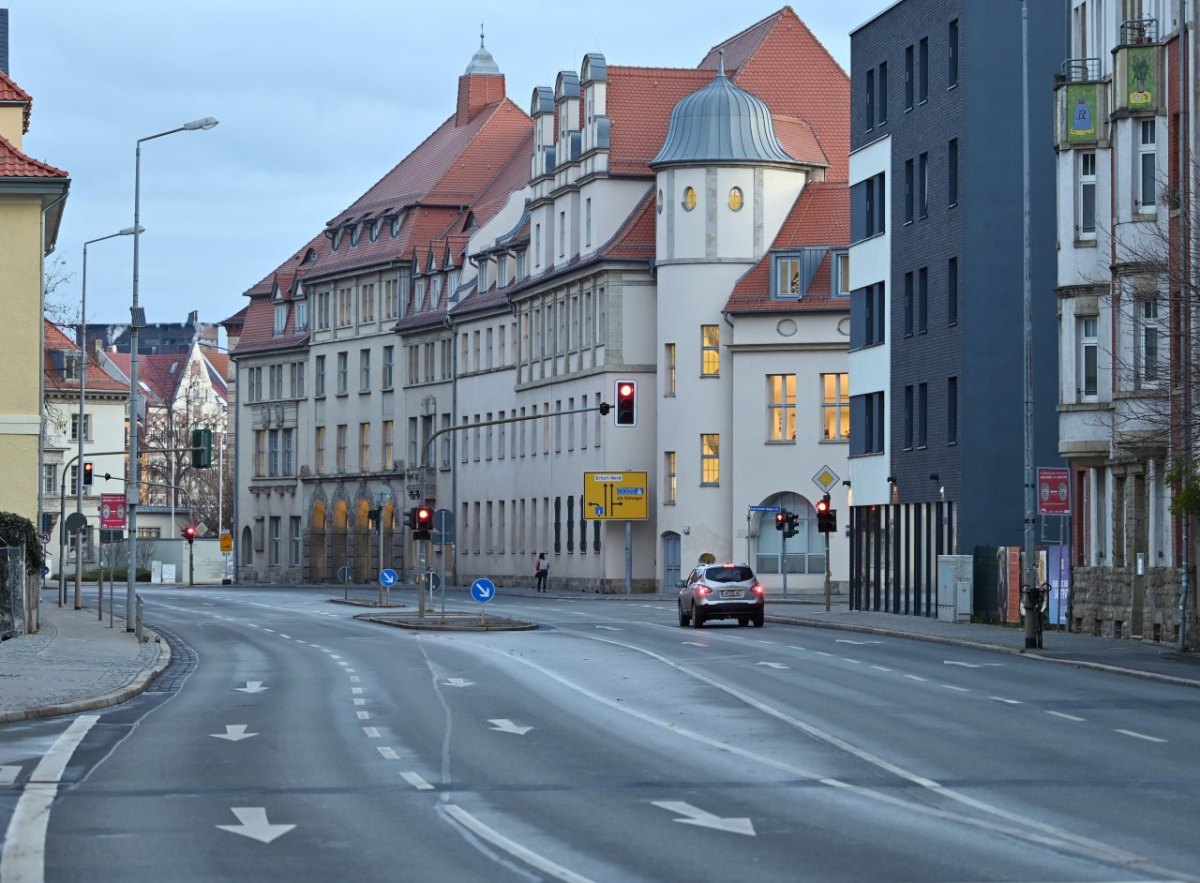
x,y
868,418
1145,180
1146,330
916,183
916,78
868,308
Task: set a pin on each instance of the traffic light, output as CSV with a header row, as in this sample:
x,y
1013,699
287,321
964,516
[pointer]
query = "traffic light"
x,y
189,533
626,403
87,474
826,517
424,520
202,448
793,525
410,518
781,519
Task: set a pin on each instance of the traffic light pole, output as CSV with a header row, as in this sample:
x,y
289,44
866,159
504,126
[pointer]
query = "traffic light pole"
x,y
828,575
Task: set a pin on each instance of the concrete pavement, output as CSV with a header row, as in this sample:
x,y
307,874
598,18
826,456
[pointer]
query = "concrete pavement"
x,y
77,663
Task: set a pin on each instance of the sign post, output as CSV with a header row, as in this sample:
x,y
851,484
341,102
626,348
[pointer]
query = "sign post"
x,y
483,590
387,579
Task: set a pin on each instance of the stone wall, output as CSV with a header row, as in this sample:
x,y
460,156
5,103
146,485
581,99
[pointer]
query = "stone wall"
x,y
1102,603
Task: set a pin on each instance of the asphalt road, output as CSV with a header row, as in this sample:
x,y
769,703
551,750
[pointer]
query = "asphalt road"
x,y
290,741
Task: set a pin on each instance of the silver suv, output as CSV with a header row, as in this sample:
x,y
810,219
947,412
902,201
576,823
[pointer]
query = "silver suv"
x,y
721,591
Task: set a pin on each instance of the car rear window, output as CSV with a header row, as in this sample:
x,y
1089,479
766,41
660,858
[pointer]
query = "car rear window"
x,y
732,574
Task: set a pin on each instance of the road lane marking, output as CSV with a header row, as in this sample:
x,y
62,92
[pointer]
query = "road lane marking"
x,y
852,661
360,701
388,752
8,775
252,823
416,781
1141,736
823,653
233,733
881,667
364,715
252,687
1066,716
354,679
916,678
356,689
482,831
693,815
371,732
772,664
1005,701
959,689
504,725
24,854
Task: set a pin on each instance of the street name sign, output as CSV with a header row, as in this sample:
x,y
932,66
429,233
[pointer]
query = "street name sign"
x,y
616,496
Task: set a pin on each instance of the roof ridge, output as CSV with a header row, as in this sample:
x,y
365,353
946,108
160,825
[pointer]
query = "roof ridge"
x,y
744,31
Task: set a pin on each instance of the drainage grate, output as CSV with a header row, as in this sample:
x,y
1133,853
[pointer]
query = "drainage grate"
x,y
183,662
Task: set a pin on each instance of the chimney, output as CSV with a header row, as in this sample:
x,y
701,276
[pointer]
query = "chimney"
x,y
482,84
4,40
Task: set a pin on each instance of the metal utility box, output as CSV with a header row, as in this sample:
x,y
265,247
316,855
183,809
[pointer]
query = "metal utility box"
x,y
954,587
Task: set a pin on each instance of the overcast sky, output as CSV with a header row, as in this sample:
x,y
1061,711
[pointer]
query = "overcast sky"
x,y
317,100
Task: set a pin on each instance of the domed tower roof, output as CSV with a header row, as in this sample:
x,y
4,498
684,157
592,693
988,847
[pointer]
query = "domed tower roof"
x,y
482,61
724,124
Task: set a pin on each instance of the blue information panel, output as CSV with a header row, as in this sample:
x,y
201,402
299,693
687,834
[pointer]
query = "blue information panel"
x,y
483,590
388,578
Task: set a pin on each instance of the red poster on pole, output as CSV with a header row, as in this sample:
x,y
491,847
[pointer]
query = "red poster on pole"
x,y
1054,491
112,511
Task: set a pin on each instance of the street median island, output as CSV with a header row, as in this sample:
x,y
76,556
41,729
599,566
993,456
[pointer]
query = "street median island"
x,y
366,602
449,622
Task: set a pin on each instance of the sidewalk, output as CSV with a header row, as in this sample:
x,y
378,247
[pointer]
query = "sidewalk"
x,y
76,663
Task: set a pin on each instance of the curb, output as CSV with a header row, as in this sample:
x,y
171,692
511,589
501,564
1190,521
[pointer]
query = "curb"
x,y
993,648
134,688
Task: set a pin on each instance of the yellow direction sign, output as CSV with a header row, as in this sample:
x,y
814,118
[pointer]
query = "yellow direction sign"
x,y
616,496
226,542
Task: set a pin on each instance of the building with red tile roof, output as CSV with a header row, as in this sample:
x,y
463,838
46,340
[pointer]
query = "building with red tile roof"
x,y
32,197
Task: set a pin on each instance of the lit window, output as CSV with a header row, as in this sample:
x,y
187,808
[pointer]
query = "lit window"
x,y
736,199
669,477
781,407
689,198
835,406
787,277
710,350
710,459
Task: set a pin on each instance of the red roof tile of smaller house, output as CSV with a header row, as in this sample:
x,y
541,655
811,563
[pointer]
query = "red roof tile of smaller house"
x,y
98,379
15,164
11,93
819,217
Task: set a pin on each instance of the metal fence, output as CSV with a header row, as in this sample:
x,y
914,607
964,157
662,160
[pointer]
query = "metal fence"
x,y
12,591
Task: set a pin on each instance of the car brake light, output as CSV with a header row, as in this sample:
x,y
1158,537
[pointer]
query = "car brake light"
x,y
758,589
701,590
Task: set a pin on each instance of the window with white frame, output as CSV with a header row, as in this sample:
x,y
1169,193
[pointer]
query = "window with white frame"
x,y
289,452
1147,167
364,370
340,454
835,407
87,427
301,315
280,318
843,275
787,276
275,541
389,365
319,449
670,478
319,381
1149,335
343,372
364,447
781,407
49,479
669,369
710,350
1087,195
1088,355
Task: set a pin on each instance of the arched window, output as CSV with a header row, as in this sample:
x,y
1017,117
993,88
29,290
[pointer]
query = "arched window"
x,y
805,552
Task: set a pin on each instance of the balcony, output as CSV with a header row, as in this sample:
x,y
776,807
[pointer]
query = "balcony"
x,y
1137,68
1080,105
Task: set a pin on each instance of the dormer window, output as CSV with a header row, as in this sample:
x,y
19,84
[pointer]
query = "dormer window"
x,y
793,273
452,285
374,230
310,256
354,234
437,292
521,271
419,298
502,272
301,315
72,365
280,318
396,226
337,238
483,275
841,282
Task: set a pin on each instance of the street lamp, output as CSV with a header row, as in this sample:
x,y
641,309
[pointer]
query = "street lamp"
x,y
79,428
137,318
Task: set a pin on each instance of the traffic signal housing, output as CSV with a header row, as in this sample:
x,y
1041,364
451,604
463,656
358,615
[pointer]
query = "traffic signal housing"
x,y
826,516
793,525
189,534
781,519
626,403
88,472
423,518
410,518
202,448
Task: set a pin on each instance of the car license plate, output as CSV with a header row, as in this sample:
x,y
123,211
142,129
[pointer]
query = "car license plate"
x,y
731,593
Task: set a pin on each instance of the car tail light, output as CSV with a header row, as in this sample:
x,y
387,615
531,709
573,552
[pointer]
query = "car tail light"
x,y
757,589
702,590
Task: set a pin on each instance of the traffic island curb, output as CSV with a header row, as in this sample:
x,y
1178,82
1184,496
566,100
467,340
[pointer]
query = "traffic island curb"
x,y
451,622
354,602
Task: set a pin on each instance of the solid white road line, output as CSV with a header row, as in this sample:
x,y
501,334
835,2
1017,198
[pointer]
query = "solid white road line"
x,y
482,831
24,857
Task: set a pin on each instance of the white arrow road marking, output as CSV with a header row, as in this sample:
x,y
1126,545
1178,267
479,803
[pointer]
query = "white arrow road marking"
x,y
8,774
252,823
772,664
252,687
458,682
702,819
504,725
696,643
859,643
972,664
610,628
234,733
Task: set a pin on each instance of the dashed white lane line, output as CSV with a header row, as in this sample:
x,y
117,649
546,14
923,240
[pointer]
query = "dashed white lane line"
x,y
372,732
416,781
916,678
350,671
794,647
880,668
360,701
388,753
823,653
364,715
1005,701
851,661
1141,736
761,641
282,635
354,679
1066,716
958,689
356,690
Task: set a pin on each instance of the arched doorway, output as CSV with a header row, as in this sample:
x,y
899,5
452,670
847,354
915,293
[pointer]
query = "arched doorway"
x,y
337,539
803,553
316,543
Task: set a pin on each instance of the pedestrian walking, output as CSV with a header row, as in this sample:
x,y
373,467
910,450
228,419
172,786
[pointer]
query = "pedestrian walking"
x,y
541,570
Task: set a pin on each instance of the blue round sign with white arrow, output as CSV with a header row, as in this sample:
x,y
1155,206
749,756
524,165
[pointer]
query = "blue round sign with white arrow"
x,y
483,590
388,578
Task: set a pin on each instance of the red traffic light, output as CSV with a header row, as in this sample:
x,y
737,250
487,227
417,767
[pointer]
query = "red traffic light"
x,y
822,507
780,520
626,403
189,533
